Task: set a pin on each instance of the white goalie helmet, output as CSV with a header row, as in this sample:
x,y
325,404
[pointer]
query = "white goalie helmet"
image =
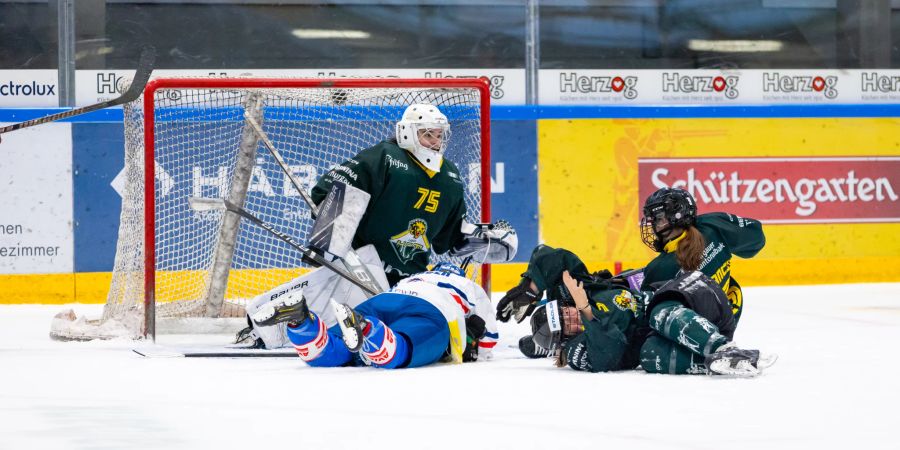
x,y
421,122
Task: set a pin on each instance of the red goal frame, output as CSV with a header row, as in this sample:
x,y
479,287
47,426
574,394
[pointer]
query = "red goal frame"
x,y
481,84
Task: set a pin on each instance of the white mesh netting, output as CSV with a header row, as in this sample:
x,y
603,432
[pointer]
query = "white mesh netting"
x,y
198,137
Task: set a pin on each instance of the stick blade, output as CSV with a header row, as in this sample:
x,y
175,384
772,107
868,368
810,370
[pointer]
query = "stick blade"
x,y
141,77
206,204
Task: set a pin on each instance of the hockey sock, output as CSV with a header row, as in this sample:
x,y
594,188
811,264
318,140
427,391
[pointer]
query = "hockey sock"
x,y
660,355
682,325
315,346
382,347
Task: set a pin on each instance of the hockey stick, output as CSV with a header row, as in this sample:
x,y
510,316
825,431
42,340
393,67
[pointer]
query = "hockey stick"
x,y
217,204
141,76
350,260
214,353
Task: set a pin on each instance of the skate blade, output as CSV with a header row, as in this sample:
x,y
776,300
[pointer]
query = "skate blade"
x,y
723,368
349,333
766,361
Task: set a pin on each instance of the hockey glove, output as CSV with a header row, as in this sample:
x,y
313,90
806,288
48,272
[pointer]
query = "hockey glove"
x,y
474,332
519,301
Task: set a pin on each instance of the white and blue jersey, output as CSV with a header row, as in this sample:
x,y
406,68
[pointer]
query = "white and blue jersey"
x,y
412,325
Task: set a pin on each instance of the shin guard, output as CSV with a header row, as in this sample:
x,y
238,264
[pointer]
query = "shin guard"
x,y
682,325
309,338
660,355
382,347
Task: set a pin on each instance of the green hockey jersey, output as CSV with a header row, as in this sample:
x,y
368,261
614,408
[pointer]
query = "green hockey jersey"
x,y
412,212
612,339
725,235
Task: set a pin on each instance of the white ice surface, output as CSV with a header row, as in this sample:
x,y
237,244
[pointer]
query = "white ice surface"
x,y
835,386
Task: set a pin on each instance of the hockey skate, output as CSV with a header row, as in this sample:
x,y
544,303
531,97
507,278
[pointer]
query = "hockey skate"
x,y
353,325
290,308
735,362
527,347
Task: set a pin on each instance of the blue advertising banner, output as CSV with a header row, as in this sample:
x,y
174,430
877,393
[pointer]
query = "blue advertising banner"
x,y
97,157
98,160
514,180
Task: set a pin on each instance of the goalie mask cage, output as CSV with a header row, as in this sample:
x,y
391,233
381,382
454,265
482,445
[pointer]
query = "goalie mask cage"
x,y
188,137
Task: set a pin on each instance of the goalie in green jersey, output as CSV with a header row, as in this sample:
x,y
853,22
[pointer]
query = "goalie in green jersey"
x,y
417,204
414,206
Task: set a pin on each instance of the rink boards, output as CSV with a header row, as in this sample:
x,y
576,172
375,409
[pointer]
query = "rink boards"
x,y
824,181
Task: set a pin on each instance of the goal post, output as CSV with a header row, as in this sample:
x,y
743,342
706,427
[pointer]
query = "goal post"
x,y
188,137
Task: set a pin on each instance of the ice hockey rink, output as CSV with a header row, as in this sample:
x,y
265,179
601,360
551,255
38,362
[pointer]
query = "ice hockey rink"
x,y
834,387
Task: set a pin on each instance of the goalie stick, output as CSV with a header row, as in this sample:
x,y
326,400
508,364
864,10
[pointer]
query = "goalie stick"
x,y
141,76
350,260
217,204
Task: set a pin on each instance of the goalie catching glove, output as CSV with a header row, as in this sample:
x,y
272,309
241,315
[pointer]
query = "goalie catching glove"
x,y
520,302
487,243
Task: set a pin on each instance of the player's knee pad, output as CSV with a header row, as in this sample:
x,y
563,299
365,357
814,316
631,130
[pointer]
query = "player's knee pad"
x,y
660,355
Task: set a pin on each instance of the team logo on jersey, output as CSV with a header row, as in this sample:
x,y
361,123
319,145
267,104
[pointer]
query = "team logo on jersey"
x,y
625,301
411,241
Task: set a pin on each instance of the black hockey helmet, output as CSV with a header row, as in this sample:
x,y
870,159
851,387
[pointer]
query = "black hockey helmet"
x,y
554,324
674,207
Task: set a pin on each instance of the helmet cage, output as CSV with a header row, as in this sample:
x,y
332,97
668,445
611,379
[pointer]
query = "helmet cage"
x,y
675,207
553,325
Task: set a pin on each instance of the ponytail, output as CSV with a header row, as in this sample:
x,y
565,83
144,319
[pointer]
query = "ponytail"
x,y
690,249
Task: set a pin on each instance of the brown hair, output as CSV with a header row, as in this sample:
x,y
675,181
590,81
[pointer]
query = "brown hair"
x,y
690,249
560,360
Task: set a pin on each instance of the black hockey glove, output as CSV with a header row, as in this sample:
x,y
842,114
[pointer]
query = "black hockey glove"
x,y
519,301
606,276
602,275
474,332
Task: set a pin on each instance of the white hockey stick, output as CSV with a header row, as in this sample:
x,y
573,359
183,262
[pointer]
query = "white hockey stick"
x,y
218,204
141,76
350,260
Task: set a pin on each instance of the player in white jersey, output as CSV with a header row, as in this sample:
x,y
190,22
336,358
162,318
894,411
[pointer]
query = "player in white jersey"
x,y
423,319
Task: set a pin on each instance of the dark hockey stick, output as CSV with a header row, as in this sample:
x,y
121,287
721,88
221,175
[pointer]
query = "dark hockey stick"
x,y
141,76
351,260
217,204
215,353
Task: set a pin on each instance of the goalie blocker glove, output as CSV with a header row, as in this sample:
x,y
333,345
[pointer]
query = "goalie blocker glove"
x,y
487,243
519,301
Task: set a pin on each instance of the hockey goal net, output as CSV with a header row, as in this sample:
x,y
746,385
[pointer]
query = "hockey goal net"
x,y
189,137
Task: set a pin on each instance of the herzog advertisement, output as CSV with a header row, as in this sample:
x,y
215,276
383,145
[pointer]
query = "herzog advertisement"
x,y
717,87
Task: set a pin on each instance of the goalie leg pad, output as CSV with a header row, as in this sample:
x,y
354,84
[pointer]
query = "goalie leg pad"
x,y
687,328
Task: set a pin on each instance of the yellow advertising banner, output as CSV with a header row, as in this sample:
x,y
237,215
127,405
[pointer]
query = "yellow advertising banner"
x,y
826,189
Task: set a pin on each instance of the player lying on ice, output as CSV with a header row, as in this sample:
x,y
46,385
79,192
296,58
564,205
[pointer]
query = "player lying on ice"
x,y
428,317
601,324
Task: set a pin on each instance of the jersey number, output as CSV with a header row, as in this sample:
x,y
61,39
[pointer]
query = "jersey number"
x,y
429,198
